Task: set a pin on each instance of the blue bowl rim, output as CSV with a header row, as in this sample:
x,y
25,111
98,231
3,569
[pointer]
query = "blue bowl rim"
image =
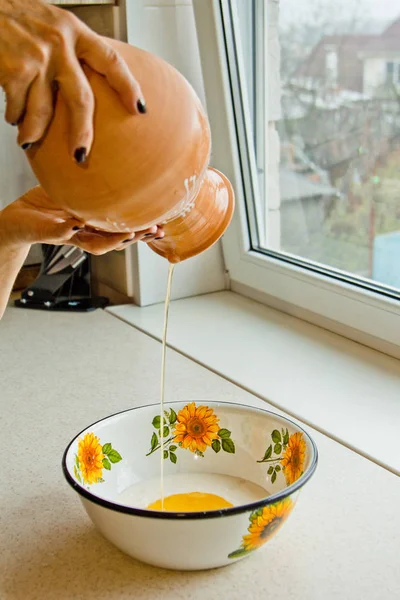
x,y
212,514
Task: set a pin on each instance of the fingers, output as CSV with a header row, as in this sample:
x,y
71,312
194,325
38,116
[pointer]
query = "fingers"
x,y
79,99
30,99
16,92
66,230
38,113
101,57
147,236
100,243
97,242
56,231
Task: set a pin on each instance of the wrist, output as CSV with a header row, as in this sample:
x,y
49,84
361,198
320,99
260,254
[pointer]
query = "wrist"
x,y
8,240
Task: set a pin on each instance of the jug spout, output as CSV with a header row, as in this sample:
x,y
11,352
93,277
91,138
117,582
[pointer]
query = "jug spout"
x,y
203,222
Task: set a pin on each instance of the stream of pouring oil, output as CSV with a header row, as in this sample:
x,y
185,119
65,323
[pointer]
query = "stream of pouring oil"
x,y
162,395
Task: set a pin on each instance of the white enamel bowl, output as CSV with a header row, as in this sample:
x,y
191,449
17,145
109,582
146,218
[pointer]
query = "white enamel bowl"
x,y
258,461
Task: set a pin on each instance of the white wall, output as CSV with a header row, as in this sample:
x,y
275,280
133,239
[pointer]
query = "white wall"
x,y
16,176
167,28
374,74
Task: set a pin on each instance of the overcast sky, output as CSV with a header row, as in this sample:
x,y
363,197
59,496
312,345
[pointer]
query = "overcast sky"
x,y
381,11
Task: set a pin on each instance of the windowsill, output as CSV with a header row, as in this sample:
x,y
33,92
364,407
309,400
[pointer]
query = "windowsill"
x,y
341,388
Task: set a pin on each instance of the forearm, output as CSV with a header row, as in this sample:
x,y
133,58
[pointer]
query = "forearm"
x,y
11,261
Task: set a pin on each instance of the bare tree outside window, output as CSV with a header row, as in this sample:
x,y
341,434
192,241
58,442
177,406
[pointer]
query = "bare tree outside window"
x,y
333,194
340,138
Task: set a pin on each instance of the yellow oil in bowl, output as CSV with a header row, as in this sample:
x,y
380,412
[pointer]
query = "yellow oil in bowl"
x,y
191,502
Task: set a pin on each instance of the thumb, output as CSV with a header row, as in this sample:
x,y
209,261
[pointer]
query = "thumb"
x,y
62,231
36,196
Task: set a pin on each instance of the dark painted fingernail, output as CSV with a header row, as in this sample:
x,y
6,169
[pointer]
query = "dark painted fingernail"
x,y
148,234
80,155
77,228
141,106
159,238
26,146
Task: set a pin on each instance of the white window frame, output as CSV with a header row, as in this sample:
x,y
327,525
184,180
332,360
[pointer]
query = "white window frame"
x,y
333,299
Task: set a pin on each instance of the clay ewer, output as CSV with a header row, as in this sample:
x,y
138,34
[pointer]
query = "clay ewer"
x,y
144,169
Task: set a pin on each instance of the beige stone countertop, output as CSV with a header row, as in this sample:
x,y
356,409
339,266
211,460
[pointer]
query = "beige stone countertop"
x,y
61,372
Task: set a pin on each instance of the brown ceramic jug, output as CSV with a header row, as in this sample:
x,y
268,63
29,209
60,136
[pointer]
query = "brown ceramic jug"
x,y
143,170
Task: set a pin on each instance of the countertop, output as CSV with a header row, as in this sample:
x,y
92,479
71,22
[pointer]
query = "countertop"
x,y
344,389
61,372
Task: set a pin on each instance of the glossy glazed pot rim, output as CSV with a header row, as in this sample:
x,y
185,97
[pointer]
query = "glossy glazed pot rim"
x,y
224,512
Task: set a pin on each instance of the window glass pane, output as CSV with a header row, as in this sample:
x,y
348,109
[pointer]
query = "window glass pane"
x,y
330,173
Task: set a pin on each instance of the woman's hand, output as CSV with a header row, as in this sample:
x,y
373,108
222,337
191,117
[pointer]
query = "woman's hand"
x,y
42,47
34,218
